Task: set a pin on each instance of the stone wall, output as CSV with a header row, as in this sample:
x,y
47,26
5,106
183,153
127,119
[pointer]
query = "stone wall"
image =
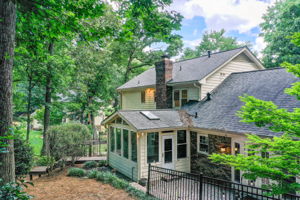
x,y
201,163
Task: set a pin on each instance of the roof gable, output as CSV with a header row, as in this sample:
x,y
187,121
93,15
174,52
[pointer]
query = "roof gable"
x,y
191,70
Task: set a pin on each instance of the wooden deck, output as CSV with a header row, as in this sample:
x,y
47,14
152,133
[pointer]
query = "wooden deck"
x,y
85,159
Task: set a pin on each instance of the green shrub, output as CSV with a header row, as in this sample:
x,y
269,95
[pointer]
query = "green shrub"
x,y
119,183
90,165
23,156
12,191
92,174
76,172
105,177
102,163
45,161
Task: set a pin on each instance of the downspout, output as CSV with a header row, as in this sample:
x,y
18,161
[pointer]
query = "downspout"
x,y
199,87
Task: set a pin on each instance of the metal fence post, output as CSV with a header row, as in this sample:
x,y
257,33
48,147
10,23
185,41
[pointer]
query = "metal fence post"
x,y
148,181
201,186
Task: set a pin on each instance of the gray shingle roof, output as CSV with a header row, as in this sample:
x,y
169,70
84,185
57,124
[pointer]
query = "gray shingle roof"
x,y
220,112
191,69
167,119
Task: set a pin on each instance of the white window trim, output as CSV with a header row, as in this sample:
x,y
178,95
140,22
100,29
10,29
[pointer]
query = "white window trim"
x,y
198,143
180,94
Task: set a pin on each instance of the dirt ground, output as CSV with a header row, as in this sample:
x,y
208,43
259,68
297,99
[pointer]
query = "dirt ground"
x,y
58,186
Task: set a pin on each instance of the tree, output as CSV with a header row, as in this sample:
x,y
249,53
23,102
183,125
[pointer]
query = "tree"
x,y
213,41
280,22
283,164
7,39
68,140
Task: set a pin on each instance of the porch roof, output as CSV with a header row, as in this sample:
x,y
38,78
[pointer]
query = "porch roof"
x,y
167,119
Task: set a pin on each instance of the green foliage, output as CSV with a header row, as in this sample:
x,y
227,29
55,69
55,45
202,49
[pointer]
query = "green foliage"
x,y
213,41
23,156
77,172
68,140
45,161
90,165
92,174
11,191
102,163
282,166
280,22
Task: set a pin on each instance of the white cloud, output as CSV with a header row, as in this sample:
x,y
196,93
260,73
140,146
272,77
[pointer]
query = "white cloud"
x,y
259,45
195,32
242,15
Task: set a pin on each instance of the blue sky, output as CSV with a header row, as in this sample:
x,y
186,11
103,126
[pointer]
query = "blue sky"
x,y
240,19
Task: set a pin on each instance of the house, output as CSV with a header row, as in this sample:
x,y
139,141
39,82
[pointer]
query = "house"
x,y
176,114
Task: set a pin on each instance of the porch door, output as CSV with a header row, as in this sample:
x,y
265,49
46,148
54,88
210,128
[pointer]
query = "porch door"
x,y
168,152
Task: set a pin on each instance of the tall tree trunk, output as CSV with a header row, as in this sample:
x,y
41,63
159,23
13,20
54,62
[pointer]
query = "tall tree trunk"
x,y
29,108
48,93
7,39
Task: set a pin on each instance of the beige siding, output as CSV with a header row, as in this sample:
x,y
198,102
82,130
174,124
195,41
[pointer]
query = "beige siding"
x,y
123,165
131,100
237,65
180,164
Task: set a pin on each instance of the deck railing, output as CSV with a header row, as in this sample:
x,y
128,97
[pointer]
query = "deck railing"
x,y
167,184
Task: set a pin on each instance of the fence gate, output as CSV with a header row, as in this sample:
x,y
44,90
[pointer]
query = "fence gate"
x,y
167,184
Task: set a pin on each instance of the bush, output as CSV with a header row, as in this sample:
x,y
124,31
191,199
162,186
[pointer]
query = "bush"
x,y
92,174
11,191
105,177
45,161
90,165
68,140
77,172
23,156
102,163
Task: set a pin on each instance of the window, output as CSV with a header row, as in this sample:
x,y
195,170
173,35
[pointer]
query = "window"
x,y
181,144
184,97
251,152
180,97
125,143
152,147
237,175
143,97
203,143
176,98
133,146
118,135
237,148
112,139
265,155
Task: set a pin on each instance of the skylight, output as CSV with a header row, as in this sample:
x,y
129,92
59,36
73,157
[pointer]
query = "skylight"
x,y
149,115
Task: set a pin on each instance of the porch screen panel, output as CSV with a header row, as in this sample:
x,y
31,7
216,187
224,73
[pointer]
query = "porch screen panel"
x,y
181,144
112,139
118,134
133,147
125,143
152,147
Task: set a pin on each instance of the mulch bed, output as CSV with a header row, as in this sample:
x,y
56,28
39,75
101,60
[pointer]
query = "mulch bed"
x,y
58,186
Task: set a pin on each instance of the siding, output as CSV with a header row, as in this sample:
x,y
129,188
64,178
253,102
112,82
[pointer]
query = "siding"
x,y
239,64
131,100
193,92
123,165
180,164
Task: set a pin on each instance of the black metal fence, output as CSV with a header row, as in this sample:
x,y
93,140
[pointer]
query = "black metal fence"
x,y
167,184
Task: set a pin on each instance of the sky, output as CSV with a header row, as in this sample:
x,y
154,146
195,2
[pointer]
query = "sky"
x,y
240,19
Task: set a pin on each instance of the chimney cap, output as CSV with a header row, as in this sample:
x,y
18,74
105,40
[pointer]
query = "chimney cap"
x,y
165,56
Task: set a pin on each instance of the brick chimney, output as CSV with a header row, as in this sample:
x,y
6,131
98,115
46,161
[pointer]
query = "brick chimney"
x,y
163,94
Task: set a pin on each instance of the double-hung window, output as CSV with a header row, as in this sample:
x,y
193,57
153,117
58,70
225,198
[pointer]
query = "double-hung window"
x,y
181,144
152,147
203,143
180,97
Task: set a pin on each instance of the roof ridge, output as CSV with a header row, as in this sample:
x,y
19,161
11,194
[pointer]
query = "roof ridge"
x,y
258,70
139,110
211,54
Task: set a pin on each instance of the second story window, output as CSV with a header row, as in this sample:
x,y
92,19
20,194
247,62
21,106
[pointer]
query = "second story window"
x,y
143,96
180,97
